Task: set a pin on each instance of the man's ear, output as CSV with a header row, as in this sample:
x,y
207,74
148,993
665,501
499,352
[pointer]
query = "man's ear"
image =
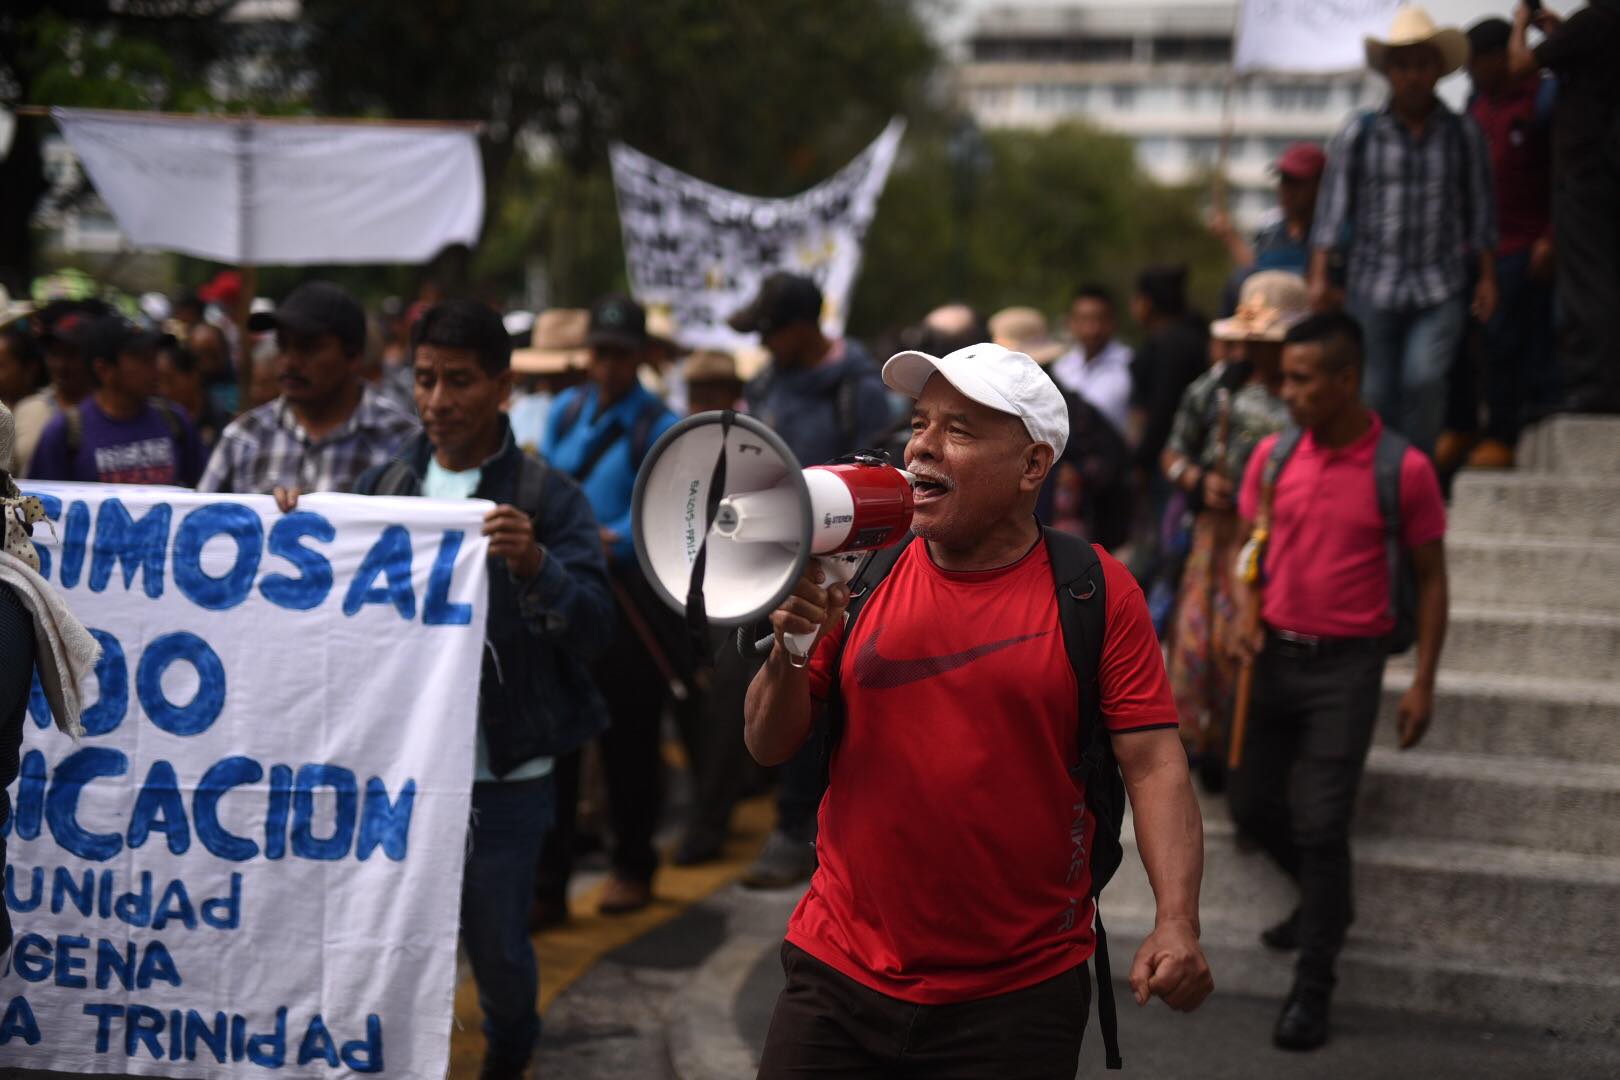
x,y
1038,460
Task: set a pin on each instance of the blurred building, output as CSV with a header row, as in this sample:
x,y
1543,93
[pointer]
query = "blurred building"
x,y
1157,71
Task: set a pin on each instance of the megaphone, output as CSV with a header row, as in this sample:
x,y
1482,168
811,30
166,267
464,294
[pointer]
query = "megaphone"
x,y
721,493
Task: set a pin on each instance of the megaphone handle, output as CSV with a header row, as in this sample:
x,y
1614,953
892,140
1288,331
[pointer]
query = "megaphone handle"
x,y
835,570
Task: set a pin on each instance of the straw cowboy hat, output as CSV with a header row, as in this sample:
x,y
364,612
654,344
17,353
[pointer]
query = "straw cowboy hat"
x,y
710,366
12,310
1271,303
557,343
1414,26
1023,329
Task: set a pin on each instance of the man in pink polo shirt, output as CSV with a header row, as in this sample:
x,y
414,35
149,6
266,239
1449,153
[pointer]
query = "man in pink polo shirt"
x,y
1327,616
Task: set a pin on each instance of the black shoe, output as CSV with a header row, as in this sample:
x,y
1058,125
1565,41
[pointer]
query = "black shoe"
x,y
1303,1024
496,1068
699,845
1212,772
546,913
1284,937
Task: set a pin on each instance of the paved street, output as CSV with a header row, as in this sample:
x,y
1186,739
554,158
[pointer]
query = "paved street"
x,y
692,1000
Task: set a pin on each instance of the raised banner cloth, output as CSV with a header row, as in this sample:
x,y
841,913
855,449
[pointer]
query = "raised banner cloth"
x,y
700,251
263,192
250,865
1308,35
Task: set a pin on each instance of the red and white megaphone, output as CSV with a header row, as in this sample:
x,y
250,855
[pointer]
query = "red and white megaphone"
x,y
727,486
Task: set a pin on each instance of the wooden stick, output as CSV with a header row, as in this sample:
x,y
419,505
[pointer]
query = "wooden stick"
x,y
244,338
214,118
1240,707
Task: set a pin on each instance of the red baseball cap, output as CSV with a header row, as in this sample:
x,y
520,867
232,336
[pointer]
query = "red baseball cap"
x,y
225,288
1301,161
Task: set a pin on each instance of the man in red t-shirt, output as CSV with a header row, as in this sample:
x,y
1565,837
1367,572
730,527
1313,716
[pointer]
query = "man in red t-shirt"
x,y
1319,656
947,928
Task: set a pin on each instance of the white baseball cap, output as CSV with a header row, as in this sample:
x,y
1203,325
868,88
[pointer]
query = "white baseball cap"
x,y
1006,381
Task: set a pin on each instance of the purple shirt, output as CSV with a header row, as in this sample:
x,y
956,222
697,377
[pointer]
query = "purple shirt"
x,y
159,446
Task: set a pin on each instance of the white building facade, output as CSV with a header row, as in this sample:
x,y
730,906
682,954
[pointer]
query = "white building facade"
x,y
1157,71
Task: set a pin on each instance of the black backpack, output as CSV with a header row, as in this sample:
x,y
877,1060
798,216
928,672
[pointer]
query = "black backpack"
x,y
1387,458
1083,614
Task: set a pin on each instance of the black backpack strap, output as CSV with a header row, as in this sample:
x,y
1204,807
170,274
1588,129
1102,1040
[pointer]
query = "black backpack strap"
x,y
1281,450
531,485
73,417
641,433
1388,457
845,404
571,413
861,587
1082,598
396,478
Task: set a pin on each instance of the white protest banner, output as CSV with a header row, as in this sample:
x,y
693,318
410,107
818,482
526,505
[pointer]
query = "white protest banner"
x,y
251,863
270,192
700,251
1308,35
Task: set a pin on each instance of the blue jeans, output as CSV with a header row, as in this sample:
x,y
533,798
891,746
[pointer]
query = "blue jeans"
x,y
508,822
1408,354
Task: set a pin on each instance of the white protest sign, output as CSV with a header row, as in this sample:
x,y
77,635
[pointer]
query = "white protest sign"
x,y
272,192
251,863
700,251
1309,35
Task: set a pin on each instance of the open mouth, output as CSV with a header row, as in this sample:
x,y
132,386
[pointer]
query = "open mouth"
x,y
926,489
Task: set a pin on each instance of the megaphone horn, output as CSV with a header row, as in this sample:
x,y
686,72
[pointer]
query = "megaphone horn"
x,y
771,518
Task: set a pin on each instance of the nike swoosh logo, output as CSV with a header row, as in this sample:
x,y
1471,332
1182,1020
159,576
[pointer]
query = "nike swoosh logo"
x,y
875,671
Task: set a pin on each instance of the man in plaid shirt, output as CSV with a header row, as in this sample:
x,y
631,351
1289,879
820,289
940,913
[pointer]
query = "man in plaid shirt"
x,y
328,426
1407,200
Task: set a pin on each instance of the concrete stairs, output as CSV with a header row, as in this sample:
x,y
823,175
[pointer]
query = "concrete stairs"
x,y
1487,860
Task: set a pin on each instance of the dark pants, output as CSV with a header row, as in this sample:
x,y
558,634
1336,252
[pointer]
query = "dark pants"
x,y
827,1024
635,692
509,821
1310,724
803,783
1586,225
722,770
1519,365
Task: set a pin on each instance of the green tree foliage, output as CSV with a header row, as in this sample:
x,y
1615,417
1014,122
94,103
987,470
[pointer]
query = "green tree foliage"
x,y
1050,211
136,54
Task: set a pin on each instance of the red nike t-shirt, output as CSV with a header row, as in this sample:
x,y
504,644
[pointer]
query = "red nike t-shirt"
x,y
952,837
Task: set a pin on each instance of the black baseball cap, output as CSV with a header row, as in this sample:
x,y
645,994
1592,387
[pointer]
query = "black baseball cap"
x,y
783,299
317,307
617,322
110,337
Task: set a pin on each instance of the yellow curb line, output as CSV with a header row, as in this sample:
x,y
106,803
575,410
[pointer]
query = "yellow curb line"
x,y
566,953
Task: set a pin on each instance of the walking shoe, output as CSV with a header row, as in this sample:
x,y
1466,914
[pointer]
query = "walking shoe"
x,y
699,844
1491,454
1303,1024
784,861
499,1068
1450,449
1284,937
622,897
547,912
